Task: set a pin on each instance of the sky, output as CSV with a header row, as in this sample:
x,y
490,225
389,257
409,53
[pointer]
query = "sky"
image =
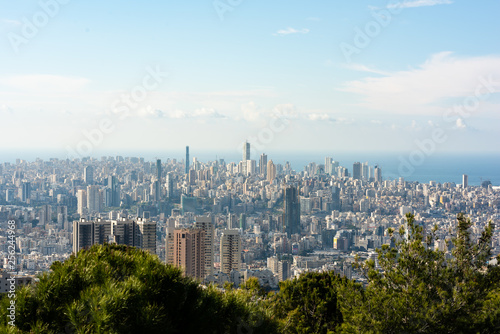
x,y
84,77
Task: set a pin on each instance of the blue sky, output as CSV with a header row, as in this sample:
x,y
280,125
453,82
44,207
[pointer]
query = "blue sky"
x,y
286,75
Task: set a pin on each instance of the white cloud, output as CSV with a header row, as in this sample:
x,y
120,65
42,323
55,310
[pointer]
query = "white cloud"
x,y
419,3
319,117
460,124
426,88
364,68
41,83
290,30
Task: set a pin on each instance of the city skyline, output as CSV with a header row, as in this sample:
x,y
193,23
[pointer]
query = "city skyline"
x,y
375,75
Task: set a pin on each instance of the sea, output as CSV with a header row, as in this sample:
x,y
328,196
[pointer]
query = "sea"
x,y
411,166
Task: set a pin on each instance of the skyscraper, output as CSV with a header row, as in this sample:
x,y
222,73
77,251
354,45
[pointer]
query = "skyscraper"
x,y
291,210
246,151
170,185
189,250
94,199
88,175
378,174
147,235
81,202
465,181
158,178
263,165
187,159
207,225
230,251
328,166
83,235
356,171
114,191
271,171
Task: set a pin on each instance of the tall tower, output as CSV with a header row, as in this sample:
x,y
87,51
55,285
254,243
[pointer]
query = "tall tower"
x,y
189,249
246,151
88,175
158,178
187,159
230,251
170,185
271,171
94,199
147,235
81,201
114,191
465,181
206,224
378,174
82,235
263,165
356,171
291,210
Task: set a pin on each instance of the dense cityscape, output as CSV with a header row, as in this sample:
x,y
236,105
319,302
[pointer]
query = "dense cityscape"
x,y
224,222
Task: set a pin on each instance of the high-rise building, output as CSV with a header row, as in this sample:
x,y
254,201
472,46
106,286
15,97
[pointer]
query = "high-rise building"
x,y
81,202
140,233
291,210
158,178
125,232
271,171
169,240
246,151
170,185
45,215
189,251
62,216
102,231
378,174
230,251
82,235
465,181
88,175
187,159
328,166
283,270
25,191
147,235
114,191
207,225
250,167
356,171
94,199
365,171
263,165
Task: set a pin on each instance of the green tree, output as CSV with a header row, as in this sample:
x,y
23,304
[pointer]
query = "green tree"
x,y
419,290
120,289
309,304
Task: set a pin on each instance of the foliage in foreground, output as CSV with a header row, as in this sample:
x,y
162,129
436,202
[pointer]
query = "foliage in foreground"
x,y
421,291
119,289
